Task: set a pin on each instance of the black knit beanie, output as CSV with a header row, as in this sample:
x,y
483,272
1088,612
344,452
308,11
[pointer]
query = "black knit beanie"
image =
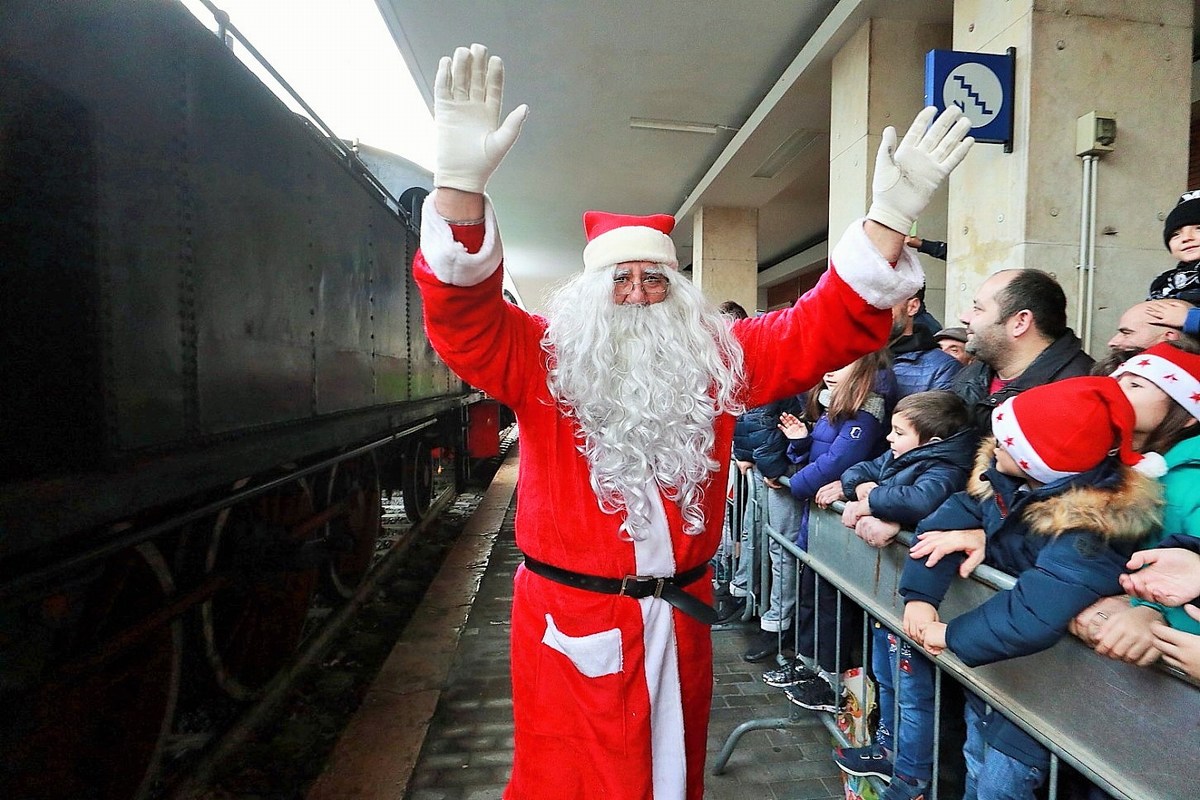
x,y
1185,212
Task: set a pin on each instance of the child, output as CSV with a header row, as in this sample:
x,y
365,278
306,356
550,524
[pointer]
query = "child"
x,y
928,461
1163,386
849,408
1060,512
1181,234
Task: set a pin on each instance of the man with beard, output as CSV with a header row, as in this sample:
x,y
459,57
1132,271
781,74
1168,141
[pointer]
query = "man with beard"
x,y
1017,331
625,396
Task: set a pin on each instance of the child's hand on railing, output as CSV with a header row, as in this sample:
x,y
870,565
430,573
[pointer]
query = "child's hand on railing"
x,y
917,615
875,531
852,512
933,638
863,490
936,545
829,494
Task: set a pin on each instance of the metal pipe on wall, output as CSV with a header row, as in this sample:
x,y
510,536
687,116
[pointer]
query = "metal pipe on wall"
x,y
1087,249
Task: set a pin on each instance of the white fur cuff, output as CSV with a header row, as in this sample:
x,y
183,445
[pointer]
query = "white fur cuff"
x,y
448,259
868,273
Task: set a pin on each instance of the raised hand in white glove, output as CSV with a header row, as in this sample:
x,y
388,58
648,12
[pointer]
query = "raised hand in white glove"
x,y
471,140
907,176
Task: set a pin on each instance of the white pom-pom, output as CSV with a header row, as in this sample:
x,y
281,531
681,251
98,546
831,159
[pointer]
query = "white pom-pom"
x,y
1152,465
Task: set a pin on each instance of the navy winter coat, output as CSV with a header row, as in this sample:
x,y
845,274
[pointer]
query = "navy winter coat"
x,y
1066,542
912,486
757,438
920,365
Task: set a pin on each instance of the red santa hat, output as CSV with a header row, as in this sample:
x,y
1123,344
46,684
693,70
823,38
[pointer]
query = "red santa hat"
x,y
1067,427
616,238
1175,371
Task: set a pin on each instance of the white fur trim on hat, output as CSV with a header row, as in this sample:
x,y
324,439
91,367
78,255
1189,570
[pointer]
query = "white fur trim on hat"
x,y
868,273
447,258
629,243
1179,384
1011,438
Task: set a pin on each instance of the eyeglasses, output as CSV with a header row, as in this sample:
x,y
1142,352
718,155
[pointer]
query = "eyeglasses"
x,y
652,285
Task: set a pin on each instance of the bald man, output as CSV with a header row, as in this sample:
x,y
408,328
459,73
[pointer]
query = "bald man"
x,y
1148,323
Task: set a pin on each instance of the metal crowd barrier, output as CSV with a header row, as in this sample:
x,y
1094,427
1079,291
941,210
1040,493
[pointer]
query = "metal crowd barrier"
x,y
1133,732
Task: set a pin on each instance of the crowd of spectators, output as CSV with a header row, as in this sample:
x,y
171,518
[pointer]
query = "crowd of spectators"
x,y
1001,442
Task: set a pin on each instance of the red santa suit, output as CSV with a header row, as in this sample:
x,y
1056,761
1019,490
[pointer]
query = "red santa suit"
x,y
611,694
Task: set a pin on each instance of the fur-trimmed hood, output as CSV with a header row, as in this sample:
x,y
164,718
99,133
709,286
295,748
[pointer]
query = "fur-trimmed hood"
x,y
1113,501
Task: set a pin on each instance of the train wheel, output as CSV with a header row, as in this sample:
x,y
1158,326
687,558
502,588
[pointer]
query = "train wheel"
x,y
417,478
352,536
97,728
255,623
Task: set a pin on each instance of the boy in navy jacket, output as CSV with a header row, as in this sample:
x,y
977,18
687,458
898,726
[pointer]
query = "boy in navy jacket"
x,y
929,459
1052,505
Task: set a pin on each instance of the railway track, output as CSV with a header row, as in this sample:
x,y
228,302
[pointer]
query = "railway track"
x,y
277,745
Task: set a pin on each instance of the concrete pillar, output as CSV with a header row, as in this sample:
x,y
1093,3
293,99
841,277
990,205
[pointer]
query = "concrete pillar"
x,y
725,255
1129,59
878,79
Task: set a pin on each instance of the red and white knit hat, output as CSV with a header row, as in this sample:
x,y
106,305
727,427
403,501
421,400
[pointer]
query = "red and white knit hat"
x,y
616,238
1067,427
1174,371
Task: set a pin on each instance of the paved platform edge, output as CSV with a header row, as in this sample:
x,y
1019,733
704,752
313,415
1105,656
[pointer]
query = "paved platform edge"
x,y
375,757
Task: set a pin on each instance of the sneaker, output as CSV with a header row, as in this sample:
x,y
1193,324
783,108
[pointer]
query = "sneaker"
x,y
815,694
863,761
795,672
904,788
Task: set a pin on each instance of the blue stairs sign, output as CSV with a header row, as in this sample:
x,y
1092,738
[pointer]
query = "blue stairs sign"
x,y
981,84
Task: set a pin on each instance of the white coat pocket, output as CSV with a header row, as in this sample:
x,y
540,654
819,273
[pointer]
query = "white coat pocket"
x,y
594,655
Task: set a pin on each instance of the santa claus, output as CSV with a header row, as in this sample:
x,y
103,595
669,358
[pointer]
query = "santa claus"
x,y
625,395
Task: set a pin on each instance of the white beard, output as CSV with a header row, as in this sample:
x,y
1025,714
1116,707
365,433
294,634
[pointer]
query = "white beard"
x,y
644,385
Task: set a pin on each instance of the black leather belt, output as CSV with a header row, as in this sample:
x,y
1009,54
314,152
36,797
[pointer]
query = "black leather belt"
x,y
635,586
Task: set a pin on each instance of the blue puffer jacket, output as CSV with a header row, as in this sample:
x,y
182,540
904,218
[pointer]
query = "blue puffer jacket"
x,y
830,449
920,365
757,438
1066,542
912,486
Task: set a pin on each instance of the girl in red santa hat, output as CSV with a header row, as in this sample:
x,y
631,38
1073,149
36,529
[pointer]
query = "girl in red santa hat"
x,y
1163,385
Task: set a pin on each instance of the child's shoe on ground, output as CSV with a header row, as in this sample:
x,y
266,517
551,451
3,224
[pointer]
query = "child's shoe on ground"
x,y
815,694
872,761
795,672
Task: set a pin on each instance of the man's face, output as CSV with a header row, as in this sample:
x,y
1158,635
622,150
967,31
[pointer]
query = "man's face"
x,y
902,314
639,283
1134,331
987,336
956,349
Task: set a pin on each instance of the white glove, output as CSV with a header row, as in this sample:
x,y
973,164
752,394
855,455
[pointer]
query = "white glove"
x,y
471,140
906,177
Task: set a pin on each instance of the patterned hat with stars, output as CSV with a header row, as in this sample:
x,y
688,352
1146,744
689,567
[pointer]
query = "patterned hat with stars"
x,y
1067,427
1175,371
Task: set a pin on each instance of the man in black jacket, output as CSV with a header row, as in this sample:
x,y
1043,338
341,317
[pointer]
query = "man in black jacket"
x,y
1017,331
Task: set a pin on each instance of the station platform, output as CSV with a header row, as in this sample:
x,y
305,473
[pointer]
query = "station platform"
x,y
437,722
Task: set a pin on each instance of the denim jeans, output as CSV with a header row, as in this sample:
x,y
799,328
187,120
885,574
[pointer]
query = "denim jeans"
x,y
784,515
992,775
912,740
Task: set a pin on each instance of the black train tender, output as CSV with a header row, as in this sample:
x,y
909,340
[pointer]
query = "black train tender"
x,y
213,363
